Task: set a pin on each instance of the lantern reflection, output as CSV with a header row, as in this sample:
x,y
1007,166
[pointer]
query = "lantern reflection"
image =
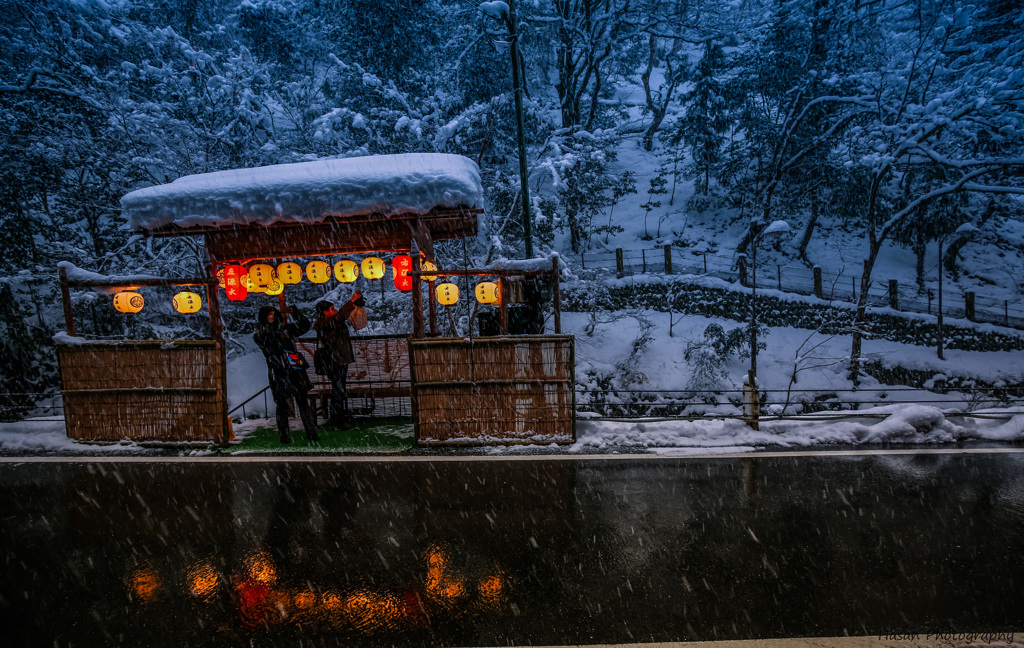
x,y
266,593
202,580
443,582
145,584
368,610
259,566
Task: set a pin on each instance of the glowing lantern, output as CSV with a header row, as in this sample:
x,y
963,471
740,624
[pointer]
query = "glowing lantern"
x,y
251,287
346,271
318,271
401,265
261,275
427,266
447,294
372,267
488,292
187,302
275,288
234,287
128,302
289,273
220,278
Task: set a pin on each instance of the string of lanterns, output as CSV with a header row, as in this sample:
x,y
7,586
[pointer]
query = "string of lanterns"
x,y
237,281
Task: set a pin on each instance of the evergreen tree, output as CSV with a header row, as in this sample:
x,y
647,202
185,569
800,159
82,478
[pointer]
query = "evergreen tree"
x,y
705,122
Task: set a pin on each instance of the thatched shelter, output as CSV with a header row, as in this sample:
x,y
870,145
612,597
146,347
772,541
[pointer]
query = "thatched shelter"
x,y
370,205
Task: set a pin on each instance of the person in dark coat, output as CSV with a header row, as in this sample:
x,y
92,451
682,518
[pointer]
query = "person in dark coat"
x,y
275,340
332,333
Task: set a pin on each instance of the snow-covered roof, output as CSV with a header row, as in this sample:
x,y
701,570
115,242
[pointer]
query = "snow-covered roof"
x,y
309,191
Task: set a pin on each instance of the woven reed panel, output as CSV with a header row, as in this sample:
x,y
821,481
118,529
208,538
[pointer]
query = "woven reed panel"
x,y
144,391
517,389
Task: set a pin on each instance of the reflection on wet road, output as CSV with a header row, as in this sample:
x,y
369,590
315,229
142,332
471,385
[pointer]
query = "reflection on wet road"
x,y
510,552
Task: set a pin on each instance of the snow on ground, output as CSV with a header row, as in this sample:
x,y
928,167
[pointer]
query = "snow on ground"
x,y
663,367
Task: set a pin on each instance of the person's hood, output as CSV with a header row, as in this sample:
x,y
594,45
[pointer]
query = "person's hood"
x,y
265,312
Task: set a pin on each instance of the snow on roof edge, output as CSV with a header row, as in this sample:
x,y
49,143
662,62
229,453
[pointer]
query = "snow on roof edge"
x,y
309,191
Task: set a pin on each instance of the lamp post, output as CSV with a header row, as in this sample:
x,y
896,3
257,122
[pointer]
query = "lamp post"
x,y
774,231
965,230
506,12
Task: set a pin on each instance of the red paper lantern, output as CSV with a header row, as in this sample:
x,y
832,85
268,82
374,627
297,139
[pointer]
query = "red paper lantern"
x,y
233,286
401,265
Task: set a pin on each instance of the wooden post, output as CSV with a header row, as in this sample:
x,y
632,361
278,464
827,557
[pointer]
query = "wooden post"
x,y
620,267
643,260
743,271
778,275
894,294
751,402
431,307
417,295
213,304
668,259
556,298
819,292
969,312
705,255
503,306
65,295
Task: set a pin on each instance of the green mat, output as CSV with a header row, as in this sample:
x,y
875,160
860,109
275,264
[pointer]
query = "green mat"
x,y
377,435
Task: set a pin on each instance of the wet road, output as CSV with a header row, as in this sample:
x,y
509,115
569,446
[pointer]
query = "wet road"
x,y
500,552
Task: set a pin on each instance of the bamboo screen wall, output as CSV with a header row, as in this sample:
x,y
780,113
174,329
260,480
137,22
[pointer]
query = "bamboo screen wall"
x,y
516,389
145,391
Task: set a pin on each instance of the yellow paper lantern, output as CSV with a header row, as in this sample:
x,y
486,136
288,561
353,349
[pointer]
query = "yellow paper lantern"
x,y
220,278
252,287
318,271
187,302
346,271
427,266
275,288
127,301
261,275
289,273
488,292
447,294
372,267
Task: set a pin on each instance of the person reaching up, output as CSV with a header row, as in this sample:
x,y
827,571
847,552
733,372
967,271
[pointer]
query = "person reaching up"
x,y
286,368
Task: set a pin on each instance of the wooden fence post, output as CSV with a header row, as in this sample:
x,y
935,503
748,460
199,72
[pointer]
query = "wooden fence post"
x,y
668,259
743,271
969,305
894,294
778,275
620,268
818,291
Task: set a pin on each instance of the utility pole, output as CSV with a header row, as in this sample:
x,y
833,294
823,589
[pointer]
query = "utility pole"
x,y
517,86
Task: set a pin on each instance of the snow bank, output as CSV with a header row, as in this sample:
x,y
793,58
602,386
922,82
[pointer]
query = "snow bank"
x,y
309,191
